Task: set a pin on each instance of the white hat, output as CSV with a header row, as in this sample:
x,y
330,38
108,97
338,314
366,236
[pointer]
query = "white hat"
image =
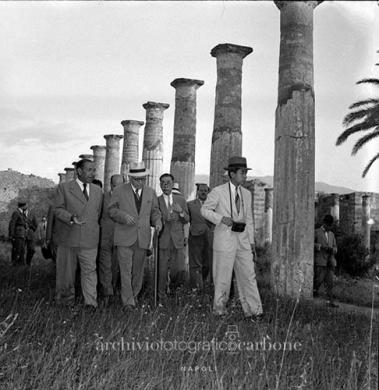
x,y
138,169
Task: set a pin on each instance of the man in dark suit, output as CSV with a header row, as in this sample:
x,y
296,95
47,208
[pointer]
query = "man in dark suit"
x,y
108,265
325,262
171,241
200,239
134,209
77,207
22,226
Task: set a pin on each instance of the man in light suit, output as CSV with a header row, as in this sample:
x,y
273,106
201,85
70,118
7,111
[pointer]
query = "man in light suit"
x,y
108,266
77,208
200,239
233,244
325,262
171,241
134,209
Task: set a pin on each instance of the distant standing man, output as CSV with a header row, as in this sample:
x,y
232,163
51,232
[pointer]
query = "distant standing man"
x,y
325,262
200,239
77,205
228,206
134,208
171,241
108,266
41,232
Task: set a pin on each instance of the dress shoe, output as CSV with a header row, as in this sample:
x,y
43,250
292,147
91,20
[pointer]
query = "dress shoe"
x,y
90,308
332,304
255,318
128,308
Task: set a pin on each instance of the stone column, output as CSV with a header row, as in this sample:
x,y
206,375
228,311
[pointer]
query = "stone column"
x,y
183,147
70,174
153,142
335,207
112,159
62,177
87,157
227,135
131,144
366,225
99,160
294,167
268,215
75,172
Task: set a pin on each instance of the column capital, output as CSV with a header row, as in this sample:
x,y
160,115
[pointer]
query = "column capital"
x,y
96,148
113,136
186,83
86,156
161,106
282,4
74,164
132,122
223,48
69,169
269,189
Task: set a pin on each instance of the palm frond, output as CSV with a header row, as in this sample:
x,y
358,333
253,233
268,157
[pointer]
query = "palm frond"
x,y
363,140
366,102
354,116
370,80
363,126
368,166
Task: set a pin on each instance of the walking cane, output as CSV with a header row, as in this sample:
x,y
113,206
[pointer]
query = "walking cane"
x,y
156,260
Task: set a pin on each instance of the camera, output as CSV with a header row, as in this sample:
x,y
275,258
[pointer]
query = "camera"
x,y
238,227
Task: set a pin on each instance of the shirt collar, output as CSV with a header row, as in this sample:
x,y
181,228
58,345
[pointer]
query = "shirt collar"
x,y
81,185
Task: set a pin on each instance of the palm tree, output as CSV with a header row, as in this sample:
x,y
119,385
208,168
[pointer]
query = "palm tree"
x,y
365,118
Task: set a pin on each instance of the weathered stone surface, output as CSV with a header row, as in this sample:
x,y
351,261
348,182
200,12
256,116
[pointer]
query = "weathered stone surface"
x,y
183,148
366,215
70,174
153,142
87,157
227,135
131,144
112,158
268,215
99,152
294,169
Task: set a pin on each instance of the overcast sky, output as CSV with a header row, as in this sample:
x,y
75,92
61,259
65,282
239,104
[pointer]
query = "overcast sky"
x,y
70,72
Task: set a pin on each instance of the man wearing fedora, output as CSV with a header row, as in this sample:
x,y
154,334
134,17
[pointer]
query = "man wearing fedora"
x,y
229,207
134,209
77,209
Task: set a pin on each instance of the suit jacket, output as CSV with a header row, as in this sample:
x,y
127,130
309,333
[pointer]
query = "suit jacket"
x,y
216,206
106,223
122,203
198,224
173,229
323,257
69,200
50,229
41,232
22,226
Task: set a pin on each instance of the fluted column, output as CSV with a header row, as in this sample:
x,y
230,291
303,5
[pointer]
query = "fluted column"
x,y
294,167
268,215
131,144
87,157
70,174
335,207
62,177
227,135
153,142
183,147
112,158
99,152
366,225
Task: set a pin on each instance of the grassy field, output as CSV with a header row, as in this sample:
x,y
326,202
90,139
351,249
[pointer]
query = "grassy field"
x,y
181,346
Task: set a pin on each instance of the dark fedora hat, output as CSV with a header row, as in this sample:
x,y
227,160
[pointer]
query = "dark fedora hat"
x,y
236,162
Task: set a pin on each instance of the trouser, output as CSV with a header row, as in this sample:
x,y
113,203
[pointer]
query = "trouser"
x,y
18,250
108,267
168,270
131,260
200,259
241,260
30,250
324,274
67,261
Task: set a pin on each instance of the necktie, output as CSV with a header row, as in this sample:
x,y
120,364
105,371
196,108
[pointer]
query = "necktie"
x,y
237,201
137,194
85,193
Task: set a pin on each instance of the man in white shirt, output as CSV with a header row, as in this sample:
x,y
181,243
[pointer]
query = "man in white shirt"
x,y
228,206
